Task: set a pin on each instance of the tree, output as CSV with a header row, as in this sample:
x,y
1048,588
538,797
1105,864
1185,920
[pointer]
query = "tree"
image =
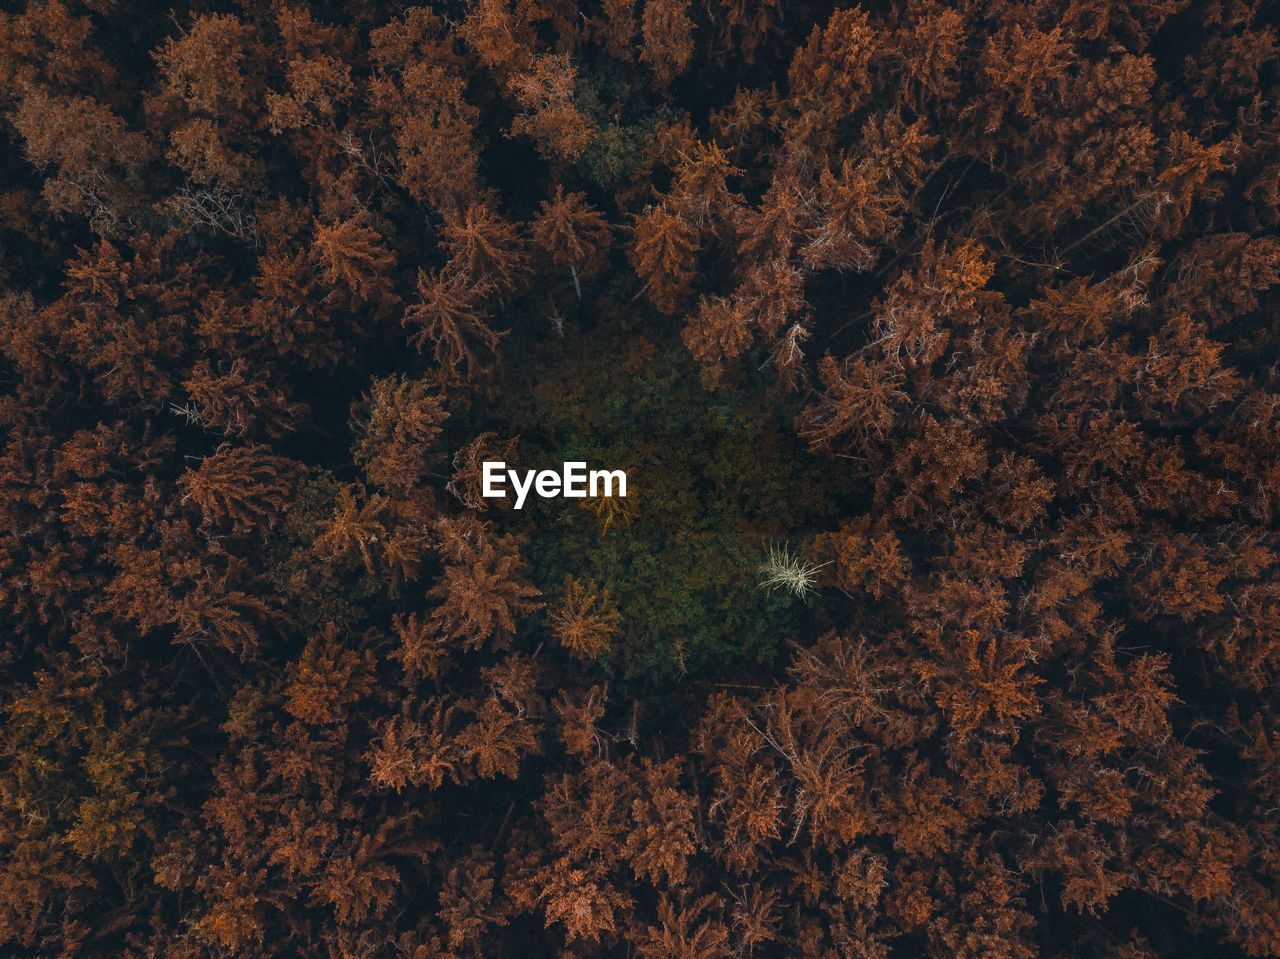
x,y
354,262
666,38
687,931
862,207
861,401
483,245
586,620
213,83
717,334
548,115
750,23
663,253
238,402
482,589
353,528
830,77
94,156
447,316
400,420
617,28
434,132
242,487
700,191
570,233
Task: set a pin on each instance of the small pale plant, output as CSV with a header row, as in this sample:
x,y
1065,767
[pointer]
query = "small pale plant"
x,y
782,569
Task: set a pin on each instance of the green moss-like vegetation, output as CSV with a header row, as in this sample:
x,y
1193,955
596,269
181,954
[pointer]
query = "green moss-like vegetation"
x,y
711,480
615,154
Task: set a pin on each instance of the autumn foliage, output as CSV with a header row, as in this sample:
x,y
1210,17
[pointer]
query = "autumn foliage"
x,y
964,312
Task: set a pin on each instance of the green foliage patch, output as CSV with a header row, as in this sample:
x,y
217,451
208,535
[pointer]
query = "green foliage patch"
x,y
711,480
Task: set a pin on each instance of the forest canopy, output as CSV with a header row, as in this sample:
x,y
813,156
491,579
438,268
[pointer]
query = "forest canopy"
x,y
939,340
